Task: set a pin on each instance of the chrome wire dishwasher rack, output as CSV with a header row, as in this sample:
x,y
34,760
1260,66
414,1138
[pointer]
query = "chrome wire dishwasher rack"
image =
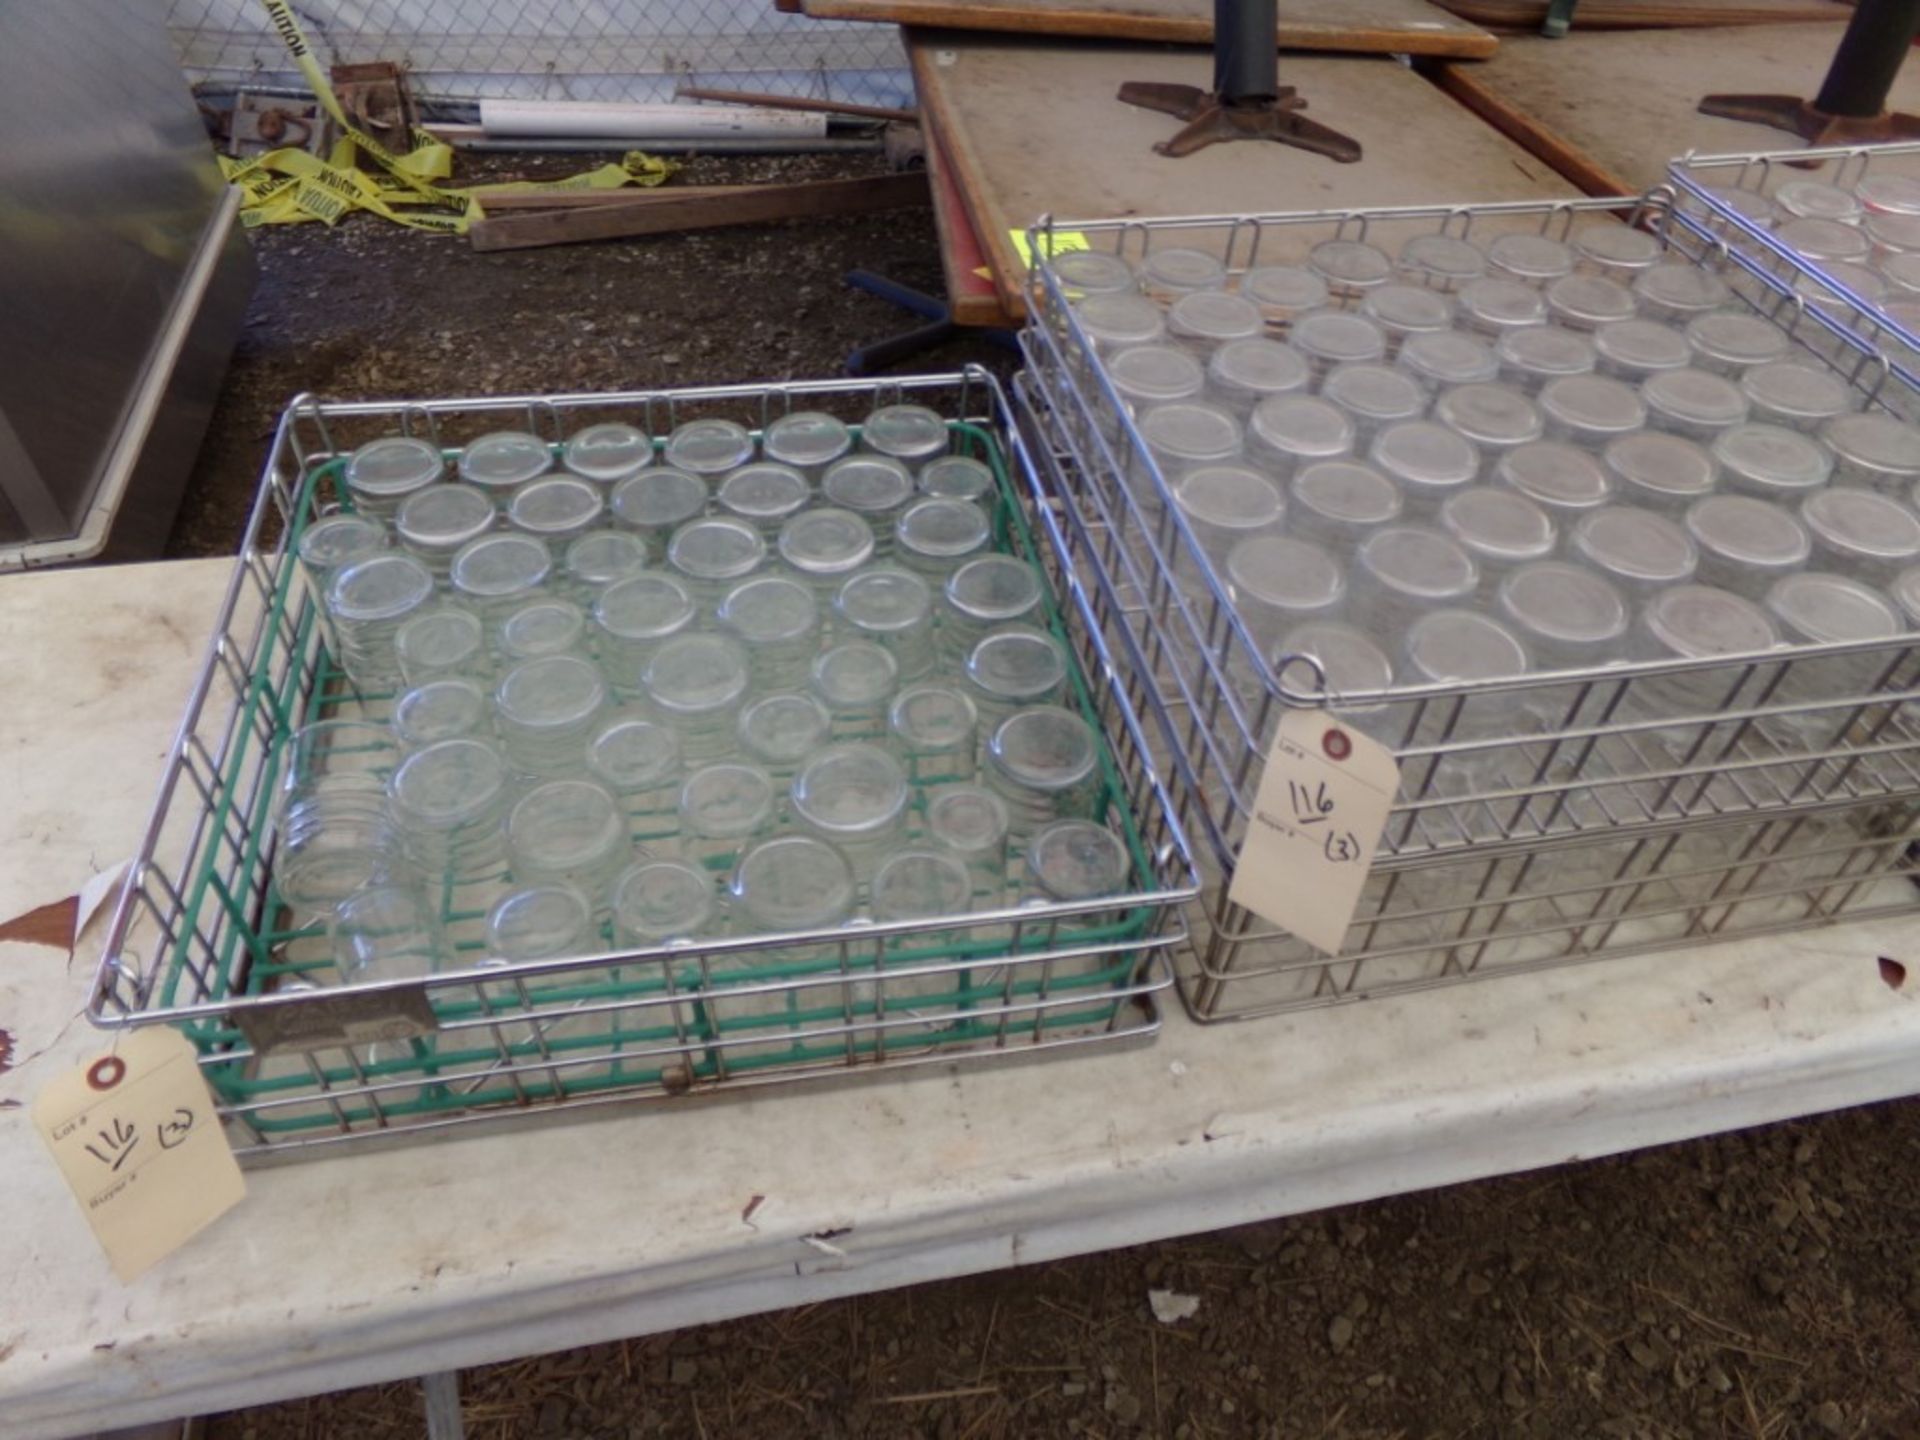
x,y
300,1062
1708,188
1541,821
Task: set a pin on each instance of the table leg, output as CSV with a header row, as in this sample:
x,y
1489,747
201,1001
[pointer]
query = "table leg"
x,y
442,1392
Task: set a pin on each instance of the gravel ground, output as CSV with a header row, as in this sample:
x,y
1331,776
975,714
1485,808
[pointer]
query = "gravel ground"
x,y
1763,1284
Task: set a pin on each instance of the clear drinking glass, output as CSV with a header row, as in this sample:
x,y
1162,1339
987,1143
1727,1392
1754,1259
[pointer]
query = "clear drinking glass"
x,y
1338,337
1289,431
1278,581
912,434
634,618
1376,396
825,546
331,543
893,608
1637,550
1494,417
503,461
779,731
934,728
1746,544
1349,664
545,626
1492,306
381,474
450,799
1403,571
1563,480
935,536
970,823
438,522
956,477
555,508
855,681
1875,450
1501,529
331,831
1730,343
922,884
777,619
1695,403
1207,319
1450,647
808,441
548,709
441,641
1869,536
765,495
1771,462
1586,302
659,902
723,809
1335,503
551,921
855,798
1428,461
1795,395
368,602
983,594
608,453
1664,473
1678,290
1610,248
1535,259
1403,310
1694,622
596,559
1242,374
1818,608
1180,437
1440,359
790,884
708,447
1445,262
1906,593
498,573
1349,267
639,762
656,503
714,554
1149,375
1531,357
446,709
1815,199
1222,505
1590,409
1571,618
1113,322
1014,666
387,932
874,487
1284,293
1075,860
1044,764
696,684
571,831
1631,350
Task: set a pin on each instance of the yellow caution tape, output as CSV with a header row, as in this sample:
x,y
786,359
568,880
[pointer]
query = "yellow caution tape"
x,y
290,186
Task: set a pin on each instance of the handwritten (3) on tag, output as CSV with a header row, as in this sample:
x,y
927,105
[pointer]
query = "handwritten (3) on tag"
x,y
1317,817
136,1136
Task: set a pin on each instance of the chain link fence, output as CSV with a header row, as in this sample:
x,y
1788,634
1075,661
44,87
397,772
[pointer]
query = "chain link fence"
x,y
612,50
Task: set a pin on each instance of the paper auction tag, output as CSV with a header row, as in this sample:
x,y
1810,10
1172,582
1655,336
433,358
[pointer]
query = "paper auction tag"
x,y
135,1133
1322,803
1062,241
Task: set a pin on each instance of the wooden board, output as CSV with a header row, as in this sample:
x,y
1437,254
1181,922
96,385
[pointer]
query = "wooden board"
x,y
1034,128
1610,110
1649,14
1405,27
972,297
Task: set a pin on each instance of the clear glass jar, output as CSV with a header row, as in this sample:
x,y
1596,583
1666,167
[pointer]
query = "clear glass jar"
x,y
1886,192
777,620
1428,462
765,495
1284,293
661,902
552,921
1338,337
712,555
696,684
1113,322
548,709
389,932
1563,480
1207,319
708,447
501,462
1242,374
1906,593
1874,450
806,440
639,761
1375,396
555,508
449,800
546,626
1093,272
874,487
935,730
368,602
447,709
1180,437
1678,290
1631,350
980,596
1494,417
1531,357
787,885
655,503
1610,248
1444,262
1290,431
1500,529
331,543
1350,664
436,523
1729,343
381,474
1892,234
1693,622
956,477
1771,462
634,618
824,546
854,797
1277,582
1586,302
572,832
1637,550
1404,571
1695,403
1044,764
1403,310
332,832
1492,306
724,808
1336,503
1746,544
1860,533
1071,861
779,731
1440,359
1535,259
855,681
1349,267
894,609
912,434
608,453
936,536
1222,506
1821,242
1169,273
921,884
1569,617
440,642
970,823
1150,375
1590,409
1663,473
596,559
498,573
1013,667
1818,608
1454,647
1795,395
1816,199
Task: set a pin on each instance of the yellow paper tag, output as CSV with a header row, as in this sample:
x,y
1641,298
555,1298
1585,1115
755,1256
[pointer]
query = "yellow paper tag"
x,y
1062,240
1322,803
135,1133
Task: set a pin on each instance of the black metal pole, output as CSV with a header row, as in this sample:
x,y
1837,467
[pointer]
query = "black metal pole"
x,y
1246,62
1878,38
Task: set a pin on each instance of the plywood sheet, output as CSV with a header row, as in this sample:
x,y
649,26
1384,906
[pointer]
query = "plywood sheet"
x,y
1648,14
1611,109
1034,128
1408,27
972,297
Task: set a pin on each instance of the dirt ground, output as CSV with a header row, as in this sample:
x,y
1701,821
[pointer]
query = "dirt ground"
x,y
1762,1284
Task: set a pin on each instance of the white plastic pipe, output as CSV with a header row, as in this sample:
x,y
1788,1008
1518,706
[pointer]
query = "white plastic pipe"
x,y
558,119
